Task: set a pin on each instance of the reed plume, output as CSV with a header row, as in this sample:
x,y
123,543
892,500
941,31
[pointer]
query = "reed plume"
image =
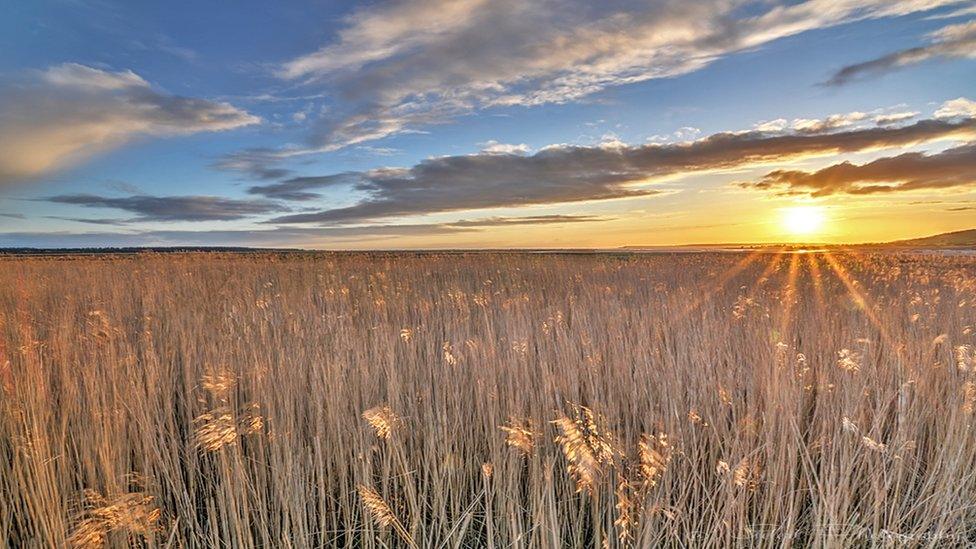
x,y
382,514
132,515
383,420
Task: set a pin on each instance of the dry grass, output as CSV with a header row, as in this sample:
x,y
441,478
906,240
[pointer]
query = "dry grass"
x,y
496,400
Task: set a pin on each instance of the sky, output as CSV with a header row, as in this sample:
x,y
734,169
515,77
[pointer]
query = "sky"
x,y
485,123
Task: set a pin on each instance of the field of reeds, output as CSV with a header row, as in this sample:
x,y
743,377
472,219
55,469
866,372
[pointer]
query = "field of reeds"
x,y
488,400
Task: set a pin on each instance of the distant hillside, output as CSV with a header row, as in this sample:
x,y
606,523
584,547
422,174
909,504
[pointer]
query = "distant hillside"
x,y
956,238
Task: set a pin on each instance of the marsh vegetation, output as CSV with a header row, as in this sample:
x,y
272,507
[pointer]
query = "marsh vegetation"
x,y
488,400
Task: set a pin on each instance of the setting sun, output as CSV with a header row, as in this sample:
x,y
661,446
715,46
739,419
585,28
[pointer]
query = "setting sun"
x,y
803,220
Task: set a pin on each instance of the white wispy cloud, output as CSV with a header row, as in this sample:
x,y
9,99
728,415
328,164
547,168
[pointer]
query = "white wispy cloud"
x,y
838,121
494,147
70,112
401,66
896,117
959,107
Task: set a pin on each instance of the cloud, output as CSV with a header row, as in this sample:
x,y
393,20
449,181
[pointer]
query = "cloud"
x,y
494,147
457,183
277,237
957,108
958,12
299,188
832,122
564,174
378,151
954,41
686,133
260,164
935,202
400,66
173,208
264,164
886,119
772,126
528,220
70,112
954,167
881,117
92,220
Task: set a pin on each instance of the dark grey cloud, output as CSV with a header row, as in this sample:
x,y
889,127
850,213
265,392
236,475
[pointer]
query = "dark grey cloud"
x,y
575,174
954,167
480,181
553,219
953,41
92,220
13,215
260,164
299,188
70,112
174,208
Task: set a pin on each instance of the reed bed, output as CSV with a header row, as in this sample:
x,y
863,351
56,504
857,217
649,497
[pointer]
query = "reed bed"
x,y
488,400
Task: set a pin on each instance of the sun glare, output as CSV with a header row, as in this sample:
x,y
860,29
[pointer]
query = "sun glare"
x,y
803,220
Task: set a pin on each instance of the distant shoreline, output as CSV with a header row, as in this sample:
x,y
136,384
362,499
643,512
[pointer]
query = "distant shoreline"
x,y
710,248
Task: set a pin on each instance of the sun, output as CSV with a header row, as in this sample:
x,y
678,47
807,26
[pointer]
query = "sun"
x,y
803,220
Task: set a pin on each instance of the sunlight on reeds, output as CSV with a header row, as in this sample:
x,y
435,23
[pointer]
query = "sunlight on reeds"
x,y
488,400
131,516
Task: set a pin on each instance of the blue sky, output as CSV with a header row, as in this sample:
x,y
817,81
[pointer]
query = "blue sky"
x,y
477,124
